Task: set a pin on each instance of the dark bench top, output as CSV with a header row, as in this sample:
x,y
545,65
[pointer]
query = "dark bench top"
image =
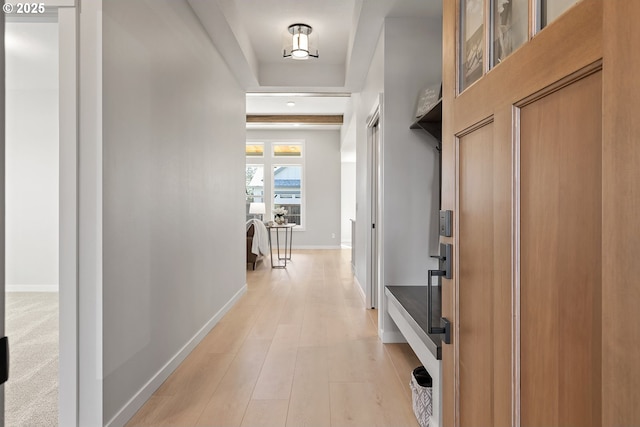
x,y
413,299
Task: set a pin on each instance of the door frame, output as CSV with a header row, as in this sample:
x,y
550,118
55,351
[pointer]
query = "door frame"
x,y
2,204
68,210
68,222
374,211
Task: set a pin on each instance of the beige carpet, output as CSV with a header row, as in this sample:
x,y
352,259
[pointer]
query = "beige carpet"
x,y
31,394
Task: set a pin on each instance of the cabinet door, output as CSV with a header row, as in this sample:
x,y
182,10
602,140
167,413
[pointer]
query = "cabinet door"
x,y
522,298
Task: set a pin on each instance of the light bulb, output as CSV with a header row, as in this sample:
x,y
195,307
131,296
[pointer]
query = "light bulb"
x,y
300,46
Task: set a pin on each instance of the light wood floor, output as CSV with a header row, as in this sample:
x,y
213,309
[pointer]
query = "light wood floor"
x,y
299,349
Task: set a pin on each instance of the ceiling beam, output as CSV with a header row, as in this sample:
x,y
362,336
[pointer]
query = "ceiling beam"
x,y
334,119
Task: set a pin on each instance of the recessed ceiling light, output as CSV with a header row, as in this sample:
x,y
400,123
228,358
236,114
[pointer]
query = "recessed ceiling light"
x,y
291,104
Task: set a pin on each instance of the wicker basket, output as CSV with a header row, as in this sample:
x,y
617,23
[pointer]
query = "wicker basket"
x,y
421,395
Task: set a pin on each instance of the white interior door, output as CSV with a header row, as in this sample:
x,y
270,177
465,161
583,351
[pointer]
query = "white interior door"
x,y
64,12
373,136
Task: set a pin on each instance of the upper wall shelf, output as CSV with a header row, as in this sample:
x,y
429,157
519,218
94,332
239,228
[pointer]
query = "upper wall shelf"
x,y
431,121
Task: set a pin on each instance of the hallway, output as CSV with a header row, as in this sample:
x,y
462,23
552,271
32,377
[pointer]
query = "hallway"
x,y
298,349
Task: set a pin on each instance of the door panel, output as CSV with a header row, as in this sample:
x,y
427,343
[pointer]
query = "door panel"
x,y
476,289
561,193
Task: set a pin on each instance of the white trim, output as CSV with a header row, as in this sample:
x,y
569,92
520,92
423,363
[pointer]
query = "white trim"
x,y
2,203
90,221
361,289
140,398
58,3
323,247
31,288
392,337
68,218
382,302
372,292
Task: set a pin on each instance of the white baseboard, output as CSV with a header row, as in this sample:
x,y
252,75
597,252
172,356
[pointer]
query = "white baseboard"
x,y
31,288
361,289
140,398
392,337
296,247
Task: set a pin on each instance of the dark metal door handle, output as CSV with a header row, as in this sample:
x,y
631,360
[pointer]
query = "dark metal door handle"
x,y
445,261
446,330
4,359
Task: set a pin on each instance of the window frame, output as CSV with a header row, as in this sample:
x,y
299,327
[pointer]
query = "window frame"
x,y
264,191
302,188
289,143
268,163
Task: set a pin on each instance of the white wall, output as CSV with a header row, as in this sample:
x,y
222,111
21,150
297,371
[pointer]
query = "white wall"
x,y
363,103
32,156
173,201
348,200
348,175
321,184
408,57
410,161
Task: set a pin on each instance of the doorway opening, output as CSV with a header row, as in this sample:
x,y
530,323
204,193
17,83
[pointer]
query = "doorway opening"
x,y
32,218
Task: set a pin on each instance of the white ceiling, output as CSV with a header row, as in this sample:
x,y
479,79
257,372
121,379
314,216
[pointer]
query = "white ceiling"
x,y
303,103
268,20
250,34
258,103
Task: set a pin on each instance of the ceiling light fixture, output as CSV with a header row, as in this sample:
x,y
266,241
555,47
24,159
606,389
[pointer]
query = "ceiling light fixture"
x,y
291,104
299,43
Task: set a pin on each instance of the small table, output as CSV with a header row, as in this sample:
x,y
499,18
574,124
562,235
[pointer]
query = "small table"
x,y
288,239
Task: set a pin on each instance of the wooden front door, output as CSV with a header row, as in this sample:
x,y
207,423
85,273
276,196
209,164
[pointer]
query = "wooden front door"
x,y
522,156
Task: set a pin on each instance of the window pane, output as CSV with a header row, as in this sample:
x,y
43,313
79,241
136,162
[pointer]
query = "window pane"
x,y
551,9
287,150
510,27
472,41
254,187
287,191
255,149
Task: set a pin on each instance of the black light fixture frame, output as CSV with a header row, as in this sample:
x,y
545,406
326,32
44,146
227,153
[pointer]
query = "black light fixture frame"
x,y
304,29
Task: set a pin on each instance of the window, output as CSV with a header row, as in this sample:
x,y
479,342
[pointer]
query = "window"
x,y
254,187
550,10
276,180
287,150
287,191
255,149
510,21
